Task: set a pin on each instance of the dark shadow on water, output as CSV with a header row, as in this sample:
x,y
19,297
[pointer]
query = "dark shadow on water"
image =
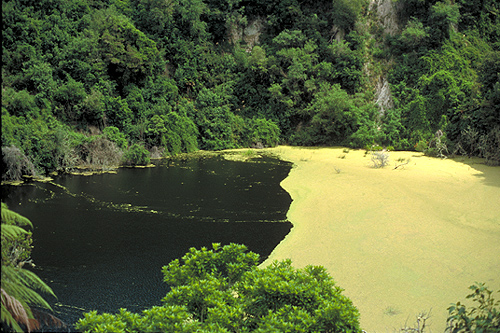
x,y
100,242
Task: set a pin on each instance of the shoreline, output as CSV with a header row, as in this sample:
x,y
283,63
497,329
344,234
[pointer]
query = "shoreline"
x,y
400,241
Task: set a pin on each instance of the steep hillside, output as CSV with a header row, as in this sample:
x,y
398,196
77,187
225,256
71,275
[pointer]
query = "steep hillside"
x,y
126,79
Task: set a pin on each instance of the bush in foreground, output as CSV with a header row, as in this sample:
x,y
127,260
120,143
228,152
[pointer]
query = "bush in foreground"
x,y
223,290
484,316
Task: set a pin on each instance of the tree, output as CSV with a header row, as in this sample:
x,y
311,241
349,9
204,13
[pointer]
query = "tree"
x,y
130,56
218,127
262,133
414,35
345,13
223,290
137,155
19,284
444,15
331,117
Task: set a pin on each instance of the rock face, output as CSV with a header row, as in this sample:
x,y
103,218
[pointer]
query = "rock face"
x,y
384,96
387,17
252,32
249,34
387,13
337,34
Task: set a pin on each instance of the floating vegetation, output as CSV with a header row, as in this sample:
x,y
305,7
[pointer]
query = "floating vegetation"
x,y
39,179
402,162
150,165
57,190
84,171
390,311
243,157
12,182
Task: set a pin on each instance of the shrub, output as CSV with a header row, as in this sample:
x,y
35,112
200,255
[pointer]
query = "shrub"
x,y
113,134
474,143
333,116
218,127
223,290
490,146
380,159
263,132
484,317
16,164
173,132
137,155
436,147
421,146
420,324
100,152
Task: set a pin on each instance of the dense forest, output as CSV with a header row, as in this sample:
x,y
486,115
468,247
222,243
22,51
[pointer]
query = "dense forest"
x,y
104,82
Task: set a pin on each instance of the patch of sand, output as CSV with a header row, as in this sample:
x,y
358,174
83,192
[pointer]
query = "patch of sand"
x,y
399,241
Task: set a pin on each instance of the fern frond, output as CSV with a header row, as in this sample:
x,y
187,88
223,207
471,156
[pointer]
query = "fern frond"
x,y
19,286
20,283
33,281
12,218
12,232
14,313
47,318
8,317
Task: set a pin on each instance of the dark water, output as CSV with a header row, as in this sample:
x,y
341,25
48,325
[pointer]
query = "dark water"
x,y
100,241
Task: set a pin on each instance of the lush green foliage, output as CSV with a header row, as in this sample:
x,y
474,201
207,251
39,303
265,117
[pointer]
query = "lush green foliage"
x,y
137,155
223,290
19,284
176,76
440,81
484,316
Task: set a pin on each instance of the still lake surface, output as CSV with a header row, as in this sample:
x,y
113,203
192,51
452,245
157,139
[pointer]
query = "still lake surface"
x,y
100,241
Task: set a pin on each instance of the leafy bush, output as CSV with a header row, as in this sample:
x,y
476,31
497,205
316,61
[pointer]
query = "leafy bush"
x,y
113,134
262,132
421,146
483,317
223,290
137,155
332,117
413,35
44,142
218,127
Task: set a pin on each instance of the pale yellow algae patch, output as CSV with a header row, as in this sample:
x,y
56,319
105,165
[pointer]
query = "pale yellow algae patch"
x,y
399,241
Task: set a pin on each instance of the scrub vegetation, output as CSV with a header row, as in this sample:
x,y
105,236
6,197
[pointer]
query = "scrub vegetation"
x,y
108,82
83,80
